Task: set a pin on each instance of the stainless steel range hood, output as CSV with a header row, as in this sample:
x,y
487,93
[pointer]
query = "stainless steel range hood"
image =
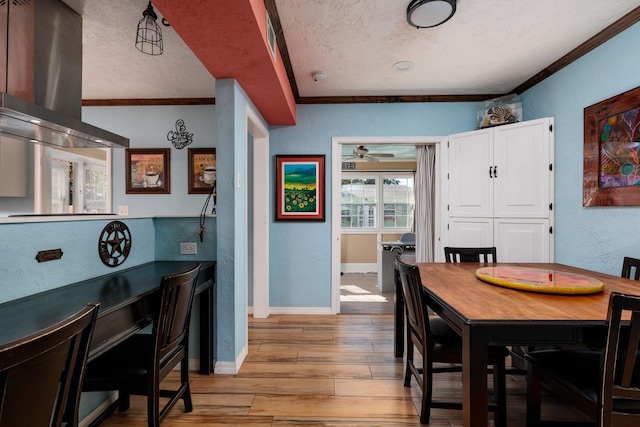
x,y
41,76
34,123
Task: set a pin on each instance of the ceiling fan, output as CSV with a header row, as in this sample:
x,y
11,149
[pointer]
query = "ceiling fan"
x,y
361,152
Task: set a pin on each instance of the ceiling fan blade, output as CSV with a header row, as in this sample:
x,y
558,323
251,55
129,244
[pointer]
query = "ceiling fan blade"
x,y
369,158
381,154
344,159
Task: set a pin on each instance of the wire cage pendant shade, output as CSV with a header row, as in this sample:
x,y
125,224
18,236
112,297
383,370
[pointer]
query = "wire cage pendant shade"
x,y
149,34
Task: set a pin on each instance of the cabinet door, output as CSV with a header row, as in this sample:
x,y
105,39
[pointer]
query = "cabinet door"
x,y
522,177
470,232
522,240
469,184
13,167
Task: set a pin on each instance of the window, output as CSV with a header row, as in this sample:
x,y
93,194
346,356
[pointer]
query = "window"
x,y
367,198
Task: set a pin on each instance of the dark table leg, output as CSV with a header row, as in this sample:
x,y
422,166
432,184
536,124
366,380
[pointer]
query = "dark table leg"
x,y
398,316
207,331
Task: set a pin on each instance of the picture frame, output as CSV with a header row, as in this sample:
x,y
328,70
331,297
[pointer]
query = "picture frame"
x,y
202,170
611,171
300,187
148,170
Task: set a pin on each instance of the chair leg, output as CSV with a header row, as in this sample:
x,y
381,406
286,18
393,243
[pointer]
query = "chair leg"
x,y
427,390
153,407
500,394
534,399
409,363
184,377
124,399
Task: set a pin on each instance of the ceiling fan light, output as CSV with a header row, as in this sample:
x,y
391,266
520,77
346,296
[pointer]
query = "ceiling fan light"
x,y
430,13
149,33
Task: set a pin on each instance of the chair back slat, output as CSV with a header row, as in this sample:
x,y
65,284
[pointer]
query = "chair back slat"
x,y
630,268
460,254
41,375
415,301
172,320
621,370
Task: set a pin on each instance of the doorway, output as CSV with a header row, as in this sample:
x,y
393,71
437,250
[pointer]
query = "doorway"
x,y
336,212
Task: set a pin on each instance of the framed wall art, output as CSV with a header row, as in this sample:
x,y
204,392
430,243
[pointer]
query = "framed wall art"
x,y
202,170
148,170
300,188
612,151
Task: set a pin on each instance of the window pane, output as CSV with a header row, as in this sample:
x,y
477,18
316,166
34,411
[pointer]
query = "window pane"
x,y
398,201
358,203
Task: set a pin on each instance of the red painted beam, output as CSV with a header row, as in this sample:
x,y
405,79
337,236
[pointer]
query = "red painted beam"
x,y
229,38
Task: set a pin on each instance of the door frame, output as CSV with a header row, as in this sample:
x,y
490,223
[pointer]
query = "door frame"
x,y
336,174
260,237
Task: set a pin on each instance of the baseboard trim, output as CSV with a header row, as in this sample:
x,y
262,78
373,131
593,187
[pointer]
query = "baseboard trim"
x,y
359,268
300,310
231,368
100,412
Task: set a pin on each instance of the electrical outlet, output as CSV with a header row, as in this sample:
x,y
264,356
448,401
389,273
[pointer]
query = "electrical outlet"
x,y
188,248
123,210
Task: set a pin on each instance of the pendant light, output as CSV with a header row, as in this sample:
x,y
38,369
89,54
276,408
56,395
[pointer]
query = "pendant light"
x,y
430,13
149,34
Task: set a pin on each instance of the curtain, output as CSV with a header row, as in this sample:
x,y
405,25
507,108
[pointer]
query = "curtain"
x,y
424,202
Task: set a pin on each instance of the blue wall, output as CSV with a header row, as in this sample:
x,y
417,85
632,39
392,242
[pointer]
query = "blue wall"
x,y
300,265
596,238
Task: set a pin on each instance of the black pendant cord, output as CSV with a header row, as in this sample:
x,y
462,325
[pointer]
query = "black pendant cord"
x,y
203,212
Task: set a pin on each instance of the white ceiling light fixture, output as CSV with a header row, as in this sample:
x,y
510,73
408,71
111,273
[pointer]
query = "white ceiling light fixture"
x,y
149,34
430,13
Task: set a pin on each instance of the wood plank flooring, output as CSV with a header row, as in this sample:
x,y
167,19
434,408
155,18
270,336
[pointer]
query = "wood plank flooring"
x,y
320,371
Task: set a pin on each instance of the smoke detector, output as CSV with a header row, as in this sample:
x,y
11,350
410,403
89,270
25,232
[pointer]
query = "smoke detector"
x,y
318,76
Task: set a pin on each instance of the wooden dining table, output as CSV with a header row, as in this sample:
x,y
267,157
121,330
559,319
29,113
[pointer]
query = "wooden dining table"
x,y
485,314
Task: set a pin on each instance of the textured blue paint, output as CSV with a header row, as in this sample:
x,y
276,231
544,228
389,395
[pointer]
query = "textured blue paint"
x,y
300,265
596,238
147,127
22,275
170,232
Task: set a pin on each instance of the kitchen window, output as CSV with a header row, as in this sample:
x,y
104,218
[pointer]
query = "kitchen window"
x,y
377,202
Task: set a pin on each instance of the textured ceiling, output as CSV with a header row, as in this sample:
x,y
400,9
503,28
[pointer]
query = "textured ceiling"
x,y
488,47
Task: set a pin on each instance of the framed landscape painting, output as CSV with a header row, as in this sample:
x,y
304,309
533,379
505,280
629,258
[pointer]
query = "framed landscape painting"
x,y
300,188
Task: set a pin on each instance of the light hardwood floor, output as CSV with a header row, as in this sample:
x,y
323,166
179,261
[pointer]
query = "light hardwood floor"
x,y
319,371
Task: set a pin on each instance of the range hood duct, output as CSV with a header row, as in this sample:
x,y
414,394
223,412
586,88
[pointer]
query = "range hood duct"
x,y
41,81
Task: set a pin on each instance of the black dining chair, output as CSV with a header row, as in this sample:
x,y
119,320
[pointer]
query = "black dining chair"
x,y
459,254
629,266
41,375
140,363
595,338
603,384
440,349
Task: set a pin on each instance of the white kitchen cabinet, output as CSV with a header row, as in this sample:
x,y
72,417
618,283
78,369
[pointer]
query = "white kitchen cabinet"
x,y
13,167
500,190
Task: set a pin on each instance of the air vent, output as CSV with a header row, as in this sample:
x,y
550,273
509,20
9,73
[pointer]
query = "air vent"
x,y
271,37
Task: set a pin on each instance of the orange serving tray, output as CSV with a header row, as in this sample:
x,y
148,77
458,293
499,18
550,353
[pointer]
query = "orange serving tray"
x,y
540,280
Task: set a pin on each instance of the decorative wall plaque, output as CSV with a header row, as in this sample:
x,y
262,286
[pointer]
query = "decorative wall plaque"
x,y
114,243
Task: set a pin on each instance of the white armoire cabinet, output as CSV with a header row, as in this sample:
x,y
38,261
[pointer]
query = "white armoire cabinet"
x,y
499,186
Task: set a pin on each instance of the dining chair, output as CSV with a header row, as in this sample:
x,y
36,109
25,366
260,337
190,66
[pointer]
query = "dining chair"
x,y
628,265
459,254
41,375
603,384
440,348
140,363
